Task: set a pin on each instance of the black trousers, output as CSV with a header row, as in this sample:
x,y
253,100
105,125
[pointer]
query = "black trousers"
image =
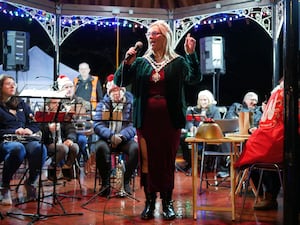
x,y
103,158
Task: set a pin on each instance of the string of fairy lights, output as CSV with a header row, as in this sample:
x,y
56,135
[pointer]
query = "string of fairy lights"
x,y
68,20
43,16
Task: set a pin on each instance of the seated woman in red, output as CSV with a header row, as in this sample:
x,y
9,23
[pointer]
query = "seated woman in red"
x,y
265,145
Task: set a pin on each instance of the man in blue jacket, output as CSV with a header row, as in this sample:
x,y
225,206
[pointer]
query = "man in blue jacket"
x,y
113,124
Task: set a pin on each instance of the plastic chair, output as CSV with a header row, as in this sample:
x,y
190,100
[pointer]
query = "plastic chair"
x,y
223,111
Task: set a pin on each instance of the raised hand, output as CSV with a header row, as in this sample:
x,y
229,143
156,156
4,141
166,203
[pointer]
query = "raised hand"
x,y
189,44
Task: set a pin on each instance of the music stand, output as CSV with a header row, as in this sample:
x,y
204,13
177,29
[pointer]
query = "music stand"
x,y
46,118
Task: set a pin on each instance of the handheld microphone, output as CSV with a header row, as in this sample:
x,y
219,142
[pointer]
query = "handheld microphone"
x,y
138,46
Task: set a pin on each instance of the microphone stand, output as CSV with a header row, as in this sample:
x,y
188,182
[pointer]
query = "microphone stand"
x,y
38,216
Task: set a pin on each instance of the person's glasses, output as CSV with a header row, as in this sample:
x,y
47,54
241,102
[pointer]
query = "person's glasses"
x,y
153,34
10,84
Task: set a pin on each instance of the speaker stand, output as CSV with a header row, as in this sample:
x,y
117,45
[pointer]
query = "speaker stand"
x,y
216,83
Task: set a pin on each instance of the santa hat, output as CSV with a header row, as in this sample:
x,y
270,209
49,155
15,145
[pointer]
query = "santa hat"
x,y
109,82
110,78
62,80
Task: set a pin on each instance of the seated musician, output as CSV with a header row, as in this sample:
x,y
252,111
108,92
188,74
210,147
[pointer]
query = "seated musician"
x,y
205,108
16,119
60,138
113,124
249,104
82,109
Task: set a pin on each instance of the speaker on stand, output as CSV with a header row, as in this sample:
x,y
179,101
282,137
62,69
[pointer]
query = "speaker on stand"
x,y
212,60
15,51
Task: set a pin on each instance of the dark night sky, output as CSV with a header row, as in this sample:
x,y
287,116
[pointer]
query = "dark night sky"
x,y
248,53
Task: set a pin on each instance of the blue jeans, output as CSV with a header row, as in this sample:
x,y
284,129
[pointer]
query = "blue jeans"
x,y
13,154
82,141
36,154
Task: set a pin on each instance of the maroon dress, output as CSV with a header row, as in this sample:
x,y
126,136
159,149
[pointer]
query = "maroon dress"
x,y
161,138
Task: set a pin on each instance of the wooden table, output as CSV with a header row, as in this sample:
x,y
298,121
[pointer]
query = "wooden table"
x,y
234,141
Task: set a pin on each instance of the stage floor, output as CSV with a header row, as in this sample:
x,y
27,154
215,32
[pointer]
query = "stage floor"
x,y
125,210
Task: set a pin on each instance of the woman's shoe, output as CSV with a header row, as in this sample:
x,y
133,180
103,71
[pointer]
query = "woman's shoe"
x,y
30,190
6,197
51,174
148,212
268,203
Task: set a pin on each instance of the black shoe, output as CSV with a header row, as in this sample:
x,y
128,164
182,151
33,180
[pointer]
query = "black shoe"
x,y
52,174
183,167
104,191
67,173
168,210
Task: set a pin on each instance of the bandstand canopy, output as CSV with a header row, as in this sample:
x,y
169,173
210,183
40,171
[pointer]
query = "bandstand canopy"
x,y
60,19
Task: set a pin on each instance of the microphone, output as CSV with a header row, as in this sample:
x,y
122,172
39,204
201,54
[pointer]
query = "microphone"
x,y
138,46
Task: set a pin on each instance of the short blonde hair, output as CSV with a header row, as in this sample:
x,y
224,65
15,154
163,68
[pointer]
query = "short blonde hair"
x,y
209,95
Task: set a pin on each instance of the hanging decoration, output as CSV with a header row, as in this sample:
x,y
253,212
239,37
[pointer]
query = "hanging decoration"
x,y
42,16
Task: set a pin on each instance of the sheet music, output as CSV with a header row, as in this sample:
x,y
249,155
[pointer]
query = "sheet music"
x,y
42,93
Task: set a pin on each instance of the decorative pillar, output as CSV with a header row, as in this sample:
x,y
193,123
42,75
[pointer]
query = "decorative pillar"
x,y
291,136
57,30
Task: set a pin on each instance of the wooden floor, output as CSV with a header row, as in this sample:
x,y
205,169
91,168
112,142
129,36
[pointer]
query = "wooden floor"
x,y
116,210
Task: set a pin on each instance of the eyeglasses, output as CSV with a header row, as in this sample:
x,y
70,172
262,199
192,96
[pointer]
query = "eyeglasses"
x,y
10,84
153,34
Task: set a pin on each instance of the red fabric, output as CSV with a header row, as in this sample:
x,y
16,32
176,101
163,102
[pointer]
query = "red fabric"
x,y
110,77
266,143
161,138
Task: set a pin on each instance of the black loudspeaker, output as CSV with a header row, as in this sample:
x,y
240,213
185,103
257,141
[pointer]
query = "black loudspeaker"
x,y
15,50
212,55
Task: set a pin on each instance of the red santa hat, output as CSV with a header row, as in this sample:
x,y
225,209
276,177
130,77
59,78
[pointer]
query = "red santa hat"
x,y
109,82
62,80
110,78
